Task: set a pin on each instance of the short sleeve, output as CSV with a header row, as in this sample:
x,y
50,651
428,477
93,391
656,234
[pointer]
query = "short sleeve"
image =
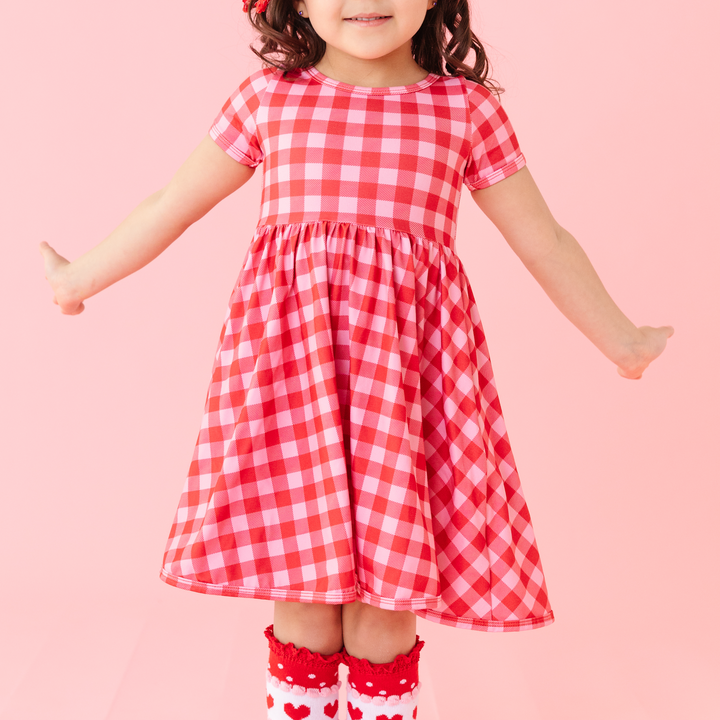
x,y
235,127
495,153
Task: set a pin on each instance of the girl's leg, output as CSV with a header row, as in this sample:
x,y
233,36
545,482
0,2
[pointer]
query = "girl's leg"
x,y
382,653
315,626
375,634
305,643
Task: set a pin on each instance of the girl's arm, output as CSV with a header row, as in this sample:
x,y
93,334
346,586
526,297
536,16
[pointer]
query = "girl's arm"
x,y
556,260
206,177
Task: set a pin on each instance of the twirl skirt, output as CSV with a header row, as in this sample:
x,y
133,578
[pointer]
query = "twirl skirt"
x,y
352,444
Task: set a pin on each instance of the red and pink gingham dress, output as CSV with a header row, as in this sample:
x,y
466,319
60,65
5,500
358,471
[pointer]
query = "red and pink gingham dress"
x,y
353,444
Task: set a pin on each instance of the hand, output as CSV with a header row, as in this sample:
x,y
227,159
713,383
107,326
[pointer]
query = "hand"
x,y
57,275
652,343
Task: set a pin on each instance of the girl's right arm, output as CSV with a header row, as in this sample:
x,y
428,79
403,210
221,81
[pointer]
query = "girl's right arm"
x,y
205,178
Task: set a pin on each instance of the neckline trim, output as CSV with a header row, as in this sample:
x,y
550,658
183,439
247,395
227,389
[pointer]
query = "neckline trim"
x,y
392,90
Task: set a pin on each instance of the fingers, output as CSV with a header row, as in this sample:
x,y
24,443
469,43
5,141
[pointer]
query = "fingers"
x,y
656,340
74,311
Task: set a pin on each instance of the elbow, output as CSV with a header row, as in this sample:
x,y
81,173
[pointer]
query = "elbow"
x,y
544,247
559,230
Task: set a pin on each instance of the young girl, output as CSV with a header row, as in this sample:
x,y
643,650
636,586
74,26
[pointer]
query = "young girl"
x,y
352,463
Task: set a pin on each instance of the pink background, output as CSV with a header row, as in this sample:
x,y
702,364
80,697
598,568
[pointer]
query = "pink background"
x,y
615,106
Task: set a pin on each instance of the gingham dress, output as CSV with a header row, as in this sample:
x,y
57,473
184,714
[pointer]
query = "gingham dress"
x,y
352,444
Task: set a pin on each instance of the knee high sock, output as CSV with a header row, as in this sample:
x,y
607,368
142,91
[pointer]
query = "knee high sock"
x,y
301,685
384,691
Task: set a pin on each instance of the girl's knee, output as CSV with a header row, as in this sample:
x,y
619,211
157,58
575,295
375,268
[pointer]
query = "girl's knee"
x,y
316,626
377,634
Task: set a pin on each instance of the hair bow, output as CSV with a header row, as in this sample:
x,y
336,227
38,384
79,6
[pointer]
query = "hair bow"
x,y
260,5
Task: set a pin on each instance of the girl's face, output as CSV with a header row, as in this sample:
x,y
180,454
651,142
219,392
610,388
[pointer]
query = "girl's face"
x,y
383,43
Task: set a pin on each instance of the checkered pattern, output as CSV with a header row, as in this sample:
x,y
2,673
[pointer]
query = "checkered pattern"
x,y
366,156
352,444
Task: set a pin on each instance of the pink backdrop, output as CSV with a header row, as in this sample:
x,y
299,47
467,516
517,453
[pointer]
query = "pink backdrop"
x,y
615,107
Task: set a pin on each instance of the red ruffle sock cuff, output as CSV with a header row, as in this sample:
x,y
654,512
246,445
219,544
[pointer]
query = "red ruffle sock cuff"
x,y
384,691
301,685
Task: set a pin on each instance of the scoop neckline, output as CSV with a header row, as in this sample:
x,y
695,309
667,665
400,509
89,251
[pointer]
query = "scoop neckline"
x,y
428,80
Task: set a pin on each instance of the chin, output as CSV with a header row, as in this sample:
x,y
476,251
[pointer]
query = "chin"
x,y
366,53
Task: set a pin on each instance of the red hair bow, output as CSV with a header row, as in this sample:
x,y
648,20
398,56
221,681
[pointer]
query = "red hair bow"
x,y
260,5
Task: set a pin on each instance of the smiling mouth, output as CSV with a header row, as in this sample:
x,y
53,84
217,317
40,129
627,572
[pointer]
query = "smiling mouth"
x,y
368,19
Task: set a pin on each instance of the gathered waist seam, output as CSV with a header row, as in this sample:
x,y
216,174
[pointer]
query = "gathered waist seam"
x,y
271,226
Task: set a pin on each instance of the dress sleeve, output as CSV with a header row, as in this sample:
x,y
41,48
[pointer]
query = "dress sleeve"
x,y
495,153
235,128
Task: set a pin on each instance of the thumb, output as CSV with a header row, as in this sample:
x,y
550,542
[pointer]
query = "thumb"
x,y
53,260
49,255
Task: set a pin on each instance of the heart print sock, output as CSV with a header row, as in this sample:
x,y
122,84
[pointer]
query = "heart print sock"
x,y
384,691
301,685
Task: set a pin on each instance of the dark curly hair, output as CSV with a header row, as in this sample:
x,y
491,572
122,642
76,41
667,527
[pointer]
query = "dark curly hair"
x,y
440,46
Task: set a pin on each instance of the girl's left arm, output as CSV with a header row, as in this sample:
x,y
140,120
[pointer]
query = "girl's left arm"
x,y
561,267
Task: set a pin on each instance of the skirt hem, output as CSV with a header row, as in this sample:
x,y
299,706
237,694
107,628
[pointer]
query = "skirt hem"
x,y
332,597
465,623
341,597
